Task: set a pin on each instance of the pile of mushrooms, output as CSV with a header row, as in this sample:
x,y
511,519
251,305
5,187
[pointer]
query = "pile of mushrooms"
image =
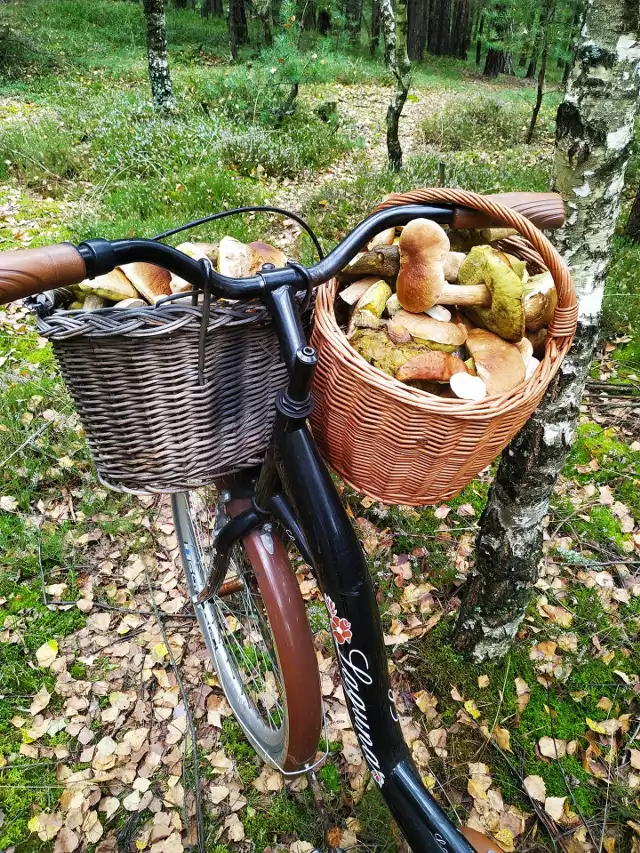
x,y
141,285
489,338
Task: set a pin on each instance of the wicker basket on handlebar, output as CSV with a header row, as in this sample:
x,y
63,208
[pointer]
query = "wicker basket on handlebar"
x,y
155,421
400,445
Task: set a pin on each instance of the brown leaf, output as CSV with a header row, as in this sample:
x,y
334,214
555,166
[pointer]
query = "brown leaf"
x,y
67,841
40,701
503,738
634,757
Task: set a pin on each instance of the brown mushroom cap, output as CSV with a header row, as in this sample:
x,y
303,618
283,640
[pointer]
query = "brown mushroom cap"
x,y
423,247
150,281
498,363
540,301
266,254
429,331
434,366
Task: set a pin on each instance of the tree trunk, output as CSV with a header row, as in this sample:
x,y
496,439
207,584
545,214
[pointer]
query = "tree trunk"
x,y
460,30
238,31
375,28
444,35
161,88
593,138
397,61
633,222
545,26
498,61
324,22
353,15
479,39
433,34
417,28
211,7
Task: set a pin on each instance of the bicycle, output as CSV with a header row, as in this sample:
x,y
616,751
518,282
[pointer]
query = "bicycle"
x,y
237,568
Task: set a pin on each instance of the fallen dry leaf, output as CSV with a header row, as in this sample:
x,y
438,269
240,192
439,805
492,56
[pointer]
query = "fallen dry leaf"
x,y
552,747
535,788
47,653
40,701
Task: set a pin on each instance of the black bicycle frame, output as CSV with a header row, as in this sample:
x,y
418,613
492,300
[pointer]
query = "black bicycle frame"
x,y
341,570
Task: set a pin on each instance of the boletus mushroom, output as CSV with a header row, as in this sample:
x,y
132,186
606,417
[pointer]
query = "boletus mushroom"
x,y
114,286
434,366
540,301
434,334
240,260
150,281
369,307
423,248
375,347
197,251
498,363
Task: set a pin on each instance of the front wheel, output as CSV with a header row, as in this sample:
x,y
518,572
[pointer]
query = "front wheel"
x,y
256,631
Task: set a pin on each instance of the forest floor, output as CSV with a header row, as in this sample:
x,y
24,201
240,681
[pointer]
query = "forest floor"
x,y
540,749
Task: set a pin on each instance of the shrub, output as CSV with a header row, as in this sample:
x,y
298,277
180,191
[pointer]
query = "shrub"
x,y
482,122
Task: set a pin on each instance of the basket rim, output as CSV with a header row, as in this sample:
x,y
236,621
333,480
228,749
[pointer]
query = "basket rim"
x,y
556,346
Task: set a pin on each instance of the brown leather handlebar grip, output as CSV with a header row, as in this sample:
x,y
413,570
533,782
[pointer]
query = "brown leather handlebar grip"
x,y
29,271
481,843
544,210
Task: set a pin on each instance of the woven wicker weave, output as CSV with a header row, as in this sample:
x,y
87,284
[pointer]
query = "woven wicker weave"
x,y
400,445
134,377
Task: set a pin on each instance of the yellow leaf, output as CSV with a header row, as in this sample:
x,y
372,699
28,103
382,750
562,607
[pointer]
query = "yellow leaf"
x,y
606,727
160,650
471,708
47,653
503,738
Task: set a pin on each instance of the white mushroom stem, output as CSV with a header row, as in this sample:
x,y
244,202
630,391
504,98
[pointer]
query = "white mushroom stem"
x,y
477,295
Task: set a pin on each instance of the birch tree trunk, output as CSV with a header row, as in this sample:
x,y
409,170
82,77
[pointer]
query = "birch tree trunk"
x,y
397,61
161,88
593,136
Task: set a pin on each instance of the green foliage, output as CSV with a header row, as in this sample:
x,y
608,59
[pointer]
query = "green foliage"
x,y
482,122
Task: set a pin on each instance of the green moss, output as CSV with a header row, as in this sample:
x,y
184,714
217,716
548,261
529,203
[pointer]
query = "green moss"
x,y
280,819
376,822
330,777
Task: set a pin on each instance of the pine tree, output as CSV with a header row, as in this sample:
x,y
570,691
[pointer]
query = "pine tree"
x,y
593,138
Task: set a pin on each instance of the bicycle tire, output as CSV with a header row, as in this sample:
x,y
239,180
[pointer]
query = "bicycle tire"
x,y
291,746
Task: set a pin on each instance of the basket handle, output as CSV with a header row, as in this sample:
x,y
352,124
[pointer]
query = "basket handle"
x,y
486,208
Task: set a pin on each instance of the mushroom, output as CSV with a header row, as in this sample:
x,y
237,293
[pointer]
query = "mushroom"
x,y
452,263
537,340
93,302
131,303
423,247
531,367
504,314
498,363
464,240
540,301
439,312
197,251
433,334
432,366
267,254
397,332
114,285
369,307
525,348
393,305
376,348
468,387
150,281
353,292
383,262
384,238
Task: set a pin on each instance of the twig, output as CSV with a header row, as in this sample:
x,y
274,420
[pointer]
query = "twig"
x,y
192,729
606,799
27,441
45,600
102,605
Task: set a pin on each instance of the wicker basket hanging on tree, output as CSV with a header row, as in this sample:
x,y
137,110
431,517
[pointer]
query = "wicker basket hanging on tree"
x,y
401,445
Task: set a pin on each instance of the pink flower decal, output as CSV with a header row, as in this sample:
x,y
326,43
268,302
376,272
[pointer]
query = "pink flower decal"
x,y
341,629
379,777
330,606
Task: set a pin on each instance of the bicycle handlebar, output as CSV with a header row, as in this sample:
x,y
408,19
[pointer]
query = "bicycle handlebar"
x,y
26,272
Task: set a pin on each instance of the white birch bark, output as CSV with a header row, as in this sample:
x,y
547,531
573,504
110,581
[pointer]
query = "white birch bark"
x,y
161,88
397,61
593,135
